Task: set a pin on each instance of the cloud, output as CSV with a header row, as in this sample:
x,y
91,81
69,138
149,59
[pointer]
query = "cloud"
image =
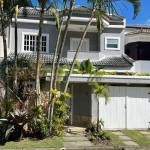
x,y
147,22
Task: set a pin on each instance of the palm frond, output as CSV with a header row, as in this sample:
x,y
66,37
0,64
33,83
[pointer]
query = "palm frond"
x,y
56,14
136,6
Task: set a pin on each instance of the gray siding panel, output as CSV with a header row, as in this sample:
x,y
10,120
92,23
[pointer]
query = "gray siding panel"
x,y
112,33
93,39
33,28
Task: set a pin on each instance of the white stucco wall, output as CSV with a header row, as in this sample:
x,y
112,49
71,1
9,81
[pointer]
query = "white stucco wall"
x,y
142,66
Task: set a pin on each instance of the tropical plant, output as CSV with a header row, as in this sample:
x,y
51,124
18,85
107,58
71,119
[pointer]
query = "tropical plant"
x,y
61,112
99,90
7,11
13,124
94,12
15,87
54,81
44,6
86,67
96,136
39,124
98,11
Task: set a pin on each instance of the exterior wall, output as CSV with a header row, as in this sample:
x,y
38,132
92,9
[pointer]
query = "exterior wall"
x,y
92,54
93,109
93,39
112,33
33,28
81,104
142,66
120,69
84,55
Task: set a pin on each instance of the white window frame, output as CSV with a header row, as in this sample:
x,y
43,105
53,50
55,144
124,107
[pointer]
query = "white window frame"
x,y
34,34
78,39
108,48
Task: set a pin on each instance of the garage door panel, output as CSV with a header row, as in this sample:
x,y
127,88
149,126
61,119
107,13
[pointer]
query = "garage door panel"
x,y
138,107
113,114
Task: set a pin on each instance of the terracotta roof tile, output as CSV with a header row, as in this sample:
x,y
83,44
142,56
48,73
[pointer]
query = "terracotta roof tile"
x,y
108,61
138,31
79,8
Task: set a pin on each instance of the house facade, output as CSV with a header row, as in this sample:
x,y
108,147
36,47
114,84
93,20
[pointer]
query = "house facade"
x,y
119,48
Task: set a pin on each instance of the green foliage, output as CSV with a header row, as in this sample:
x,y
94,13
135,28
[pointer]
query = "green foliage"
x,y
36,110
15,121
85,67
130,73
143,74
61,113
39,123
91,128
7,104
100,90
54,91
95,136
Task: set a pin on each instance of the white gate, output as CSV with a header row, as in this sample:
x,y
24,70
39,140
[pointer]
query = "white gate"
x,y
129,107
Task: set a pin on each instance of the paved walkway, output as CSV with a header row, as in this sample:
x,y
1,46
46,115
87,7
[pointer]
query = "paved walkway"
x,y
75,138
126,140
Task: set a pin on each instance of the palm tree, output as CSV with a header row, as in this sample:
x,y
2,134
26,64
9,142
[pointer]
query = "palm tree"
x,y
63,41
55,55
44,6
95,12
99,90
98,11
16,51
7,11
54,81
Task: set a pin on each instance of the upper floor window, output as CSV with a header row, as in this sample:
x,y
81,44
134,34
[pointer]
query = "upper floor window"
x,y
112,43
30,42
74,43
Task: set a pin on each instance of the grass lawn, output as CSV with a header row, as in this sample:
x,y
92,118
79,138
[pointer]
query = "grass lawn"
x,y
137,137
115,140
55,142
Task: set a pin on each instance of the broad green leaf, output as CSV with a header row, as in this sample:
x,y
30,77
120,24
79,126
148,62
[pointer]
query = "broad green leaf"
x,y
8,131
4,120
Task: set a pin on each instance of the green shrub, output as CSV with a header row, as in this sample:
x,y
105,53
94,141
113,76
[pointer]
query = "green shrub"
x,y
39,124
95,136
61,112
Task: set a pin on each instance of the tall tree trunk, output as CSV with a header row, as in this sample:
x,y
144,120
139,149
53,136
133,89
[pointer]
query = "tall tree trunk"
x,y
97,114
63,42
77,52
38,96
4,27
15,86
53,66
54,57
58,59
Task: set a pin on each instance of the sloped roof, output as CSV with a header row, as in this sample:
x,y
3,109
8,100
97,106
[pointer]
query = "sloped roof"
x,y
77,8
138,31
115,61
33,11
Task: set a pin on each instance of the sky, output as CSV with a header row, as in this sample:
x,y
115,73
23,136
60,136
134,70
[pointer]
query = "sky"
x,y
126,10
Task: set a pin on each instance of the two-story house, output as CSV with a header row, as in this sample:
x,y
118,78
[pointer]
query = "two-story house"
x,y
120,47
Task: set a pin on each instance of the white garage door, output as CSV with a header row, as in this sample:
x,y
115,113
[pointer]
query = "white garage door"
x,y
129,107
